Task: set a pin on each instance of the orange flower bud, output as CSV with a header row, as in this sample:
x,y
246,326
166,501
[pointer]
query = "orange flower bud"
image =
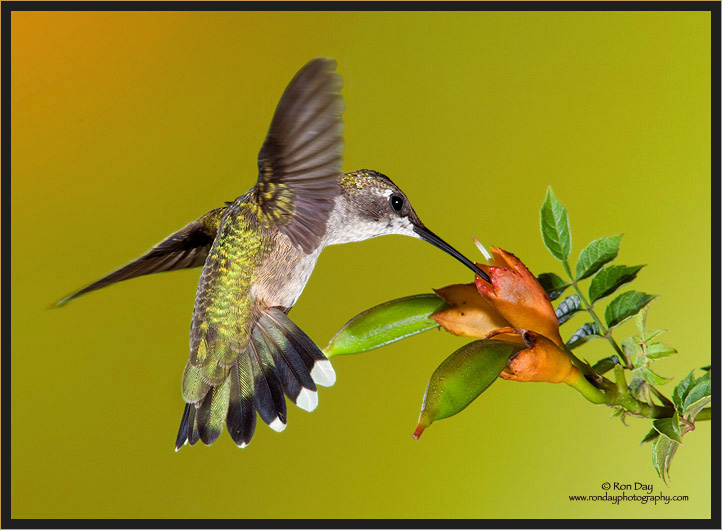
x,y
542,361
470,315
517,295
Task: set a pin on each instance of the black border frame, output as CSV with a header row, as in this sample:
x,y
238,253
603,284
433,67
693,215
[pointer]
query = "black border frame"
x,y
6,520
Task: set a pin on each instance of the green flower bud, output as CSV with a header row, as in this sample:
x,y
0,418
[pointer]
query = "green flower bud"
x,y
464,375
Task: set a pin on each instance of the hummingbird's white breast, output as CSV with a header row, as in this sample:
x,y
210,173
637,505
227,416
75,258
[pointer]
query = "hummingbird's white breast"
x,y
284,274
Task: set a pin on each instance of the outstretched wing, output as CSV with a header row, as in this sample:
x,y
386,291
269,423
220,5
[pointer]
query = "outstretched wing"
x,y
186,248
302,155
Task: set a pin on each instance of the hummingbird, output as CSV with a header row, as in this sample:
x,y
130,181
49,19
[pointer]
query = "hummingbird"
x,y
258,252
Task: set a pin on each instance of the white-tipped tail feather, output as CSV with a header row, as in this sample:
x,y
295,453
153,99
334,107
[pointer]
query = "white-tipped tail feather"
x,y
277,425
323,373
307,399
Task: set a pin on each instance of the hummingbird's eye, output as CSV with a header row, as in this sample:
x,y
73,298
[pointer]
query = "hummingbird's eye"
x,y
397,202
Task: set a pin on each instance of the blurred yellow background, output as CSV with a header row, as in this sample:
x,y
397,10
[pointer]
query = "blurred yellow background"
x,y
125,126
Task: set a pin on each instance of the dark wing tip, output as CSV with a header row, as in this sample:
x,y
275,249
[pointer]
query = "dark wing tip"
x,y
72,296
327,62
59,303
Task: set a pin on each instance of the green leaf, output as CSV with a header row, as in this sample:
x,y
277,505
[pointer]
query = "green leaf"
x,y
663,450
658,350
651,435
386,323
630,346
552,284
626,305
604,365
462,377
610,279
701,389
567,308
669,427
691,411
633,351
650,335
649,376
555,227
642,321
587,332
706,368
596,254
681,391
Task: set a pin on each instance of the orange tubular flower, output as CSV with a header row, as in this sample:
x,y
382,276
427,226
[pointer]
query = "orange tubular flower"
x,y
542,361
517,296
470,315
514,308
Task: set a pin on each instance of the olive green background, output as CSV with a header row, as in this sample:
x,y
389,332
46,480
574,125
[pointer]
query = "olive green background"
x,y
125,126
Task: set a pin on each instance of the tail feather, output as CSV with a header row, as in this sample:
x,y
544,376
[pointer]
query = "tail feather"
x,y
211,415
185,425
194,387
241,418
316,362
278,359
188,431
290,382
194,435
270,403
298,382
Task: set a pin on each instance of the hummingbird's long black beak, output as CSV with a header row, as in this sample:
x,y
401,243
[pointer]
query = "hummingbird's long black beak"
x,y
427,235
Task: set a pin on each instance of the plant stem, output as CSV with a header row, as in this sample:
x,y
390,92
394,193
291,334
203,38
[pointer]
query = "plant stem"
x,y
607,392
618,395
589,309
620,380
588,390
565,263
622,397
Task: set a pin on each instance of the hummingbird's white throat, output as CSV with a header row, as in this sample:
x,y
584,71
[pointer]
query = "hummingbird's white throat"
x,y
347,223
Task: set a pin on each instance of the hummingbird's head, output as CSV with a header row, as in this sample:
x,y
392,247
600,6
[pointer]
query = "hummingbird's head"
x,y
375,206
